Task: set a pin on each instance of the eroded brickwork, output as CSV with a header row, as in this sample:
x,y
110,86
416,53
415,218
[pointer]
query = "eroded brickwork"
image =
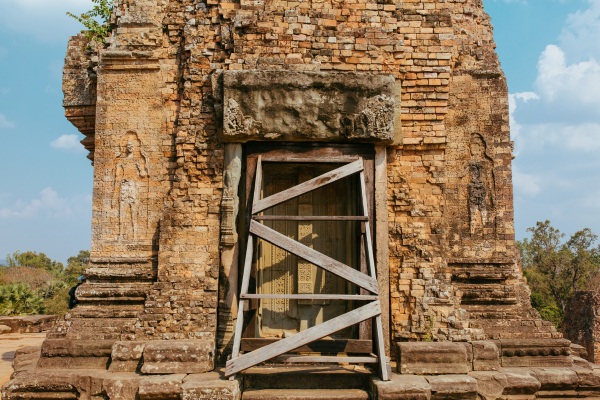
x,y
582,323
156,270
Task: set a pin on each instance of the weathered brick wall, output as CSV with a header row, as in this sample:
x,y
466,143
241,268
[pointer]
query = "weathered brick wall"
x,y
453,271
582,322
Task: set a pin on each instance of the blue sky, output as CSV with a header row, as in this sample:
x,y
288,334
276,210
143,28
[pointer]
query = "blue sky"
x,y
548,50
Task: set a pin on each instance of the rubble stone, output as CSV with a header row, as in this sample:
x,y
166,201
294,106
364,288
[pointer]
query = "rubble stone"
x,y
401,387
432,358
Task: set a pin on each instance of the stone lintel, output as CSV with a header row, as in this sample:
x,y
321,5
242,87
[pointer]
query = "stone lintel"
x,y
308,106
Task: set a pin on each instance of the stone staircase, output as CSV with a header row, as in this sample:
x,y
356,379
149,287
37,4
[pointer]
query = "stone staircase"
x,y
314,382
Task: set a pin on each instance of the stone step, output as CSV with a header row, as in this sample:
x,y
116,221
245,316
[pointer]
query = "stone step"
x,y
306,377
305,394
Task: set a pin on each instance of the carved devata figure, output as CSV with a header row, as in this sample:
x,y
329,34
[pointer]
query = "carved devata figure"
x,y
131,175
481,186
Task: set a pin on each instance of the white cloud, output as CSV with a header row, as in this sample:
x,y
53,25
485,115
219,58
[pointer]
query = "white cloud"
x,y
556,130
50,204
5,123
69,143
525,184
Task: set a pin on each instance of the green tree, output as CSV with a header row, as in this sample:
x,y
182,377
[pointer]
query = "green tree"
x,y
97,31
555,267
33,260
75,267
18,300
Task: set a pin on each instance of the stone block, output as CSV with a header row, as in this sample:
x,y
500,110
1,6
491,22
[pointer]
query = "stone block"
x,y
490,384
520,381
535,353
76,348
126,356
425,358
452,387
29,324
5,329
556,378
486,356
315,106
401,387
178,357
122,386
210,386
161,387
578,351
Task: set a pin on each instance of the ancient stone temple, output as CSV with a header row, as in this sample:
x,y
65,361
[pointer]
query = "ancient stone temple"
x,y
298,200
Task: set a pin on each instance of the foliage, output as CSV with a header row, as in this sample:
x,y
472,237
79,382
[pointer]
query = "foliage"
x,y
75,267
429,329
555,268
44,278
97,31
18,299
34,260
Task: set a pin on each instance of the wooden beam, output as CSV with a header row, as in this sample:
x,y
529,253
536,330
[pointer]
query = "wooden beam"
x,y
319,346
294,159
257,183
310,218
314,257
308,186
311,296
248,360
382,241
293,358
244,290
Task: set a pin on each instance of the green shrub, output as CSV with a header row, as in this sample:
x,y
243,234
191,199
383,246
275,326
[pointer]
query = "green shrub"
x,y
18,300
97,31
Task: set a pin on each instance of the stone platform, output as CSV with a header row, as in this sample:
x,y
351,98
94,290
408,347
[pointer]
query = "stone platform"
x,y
489,370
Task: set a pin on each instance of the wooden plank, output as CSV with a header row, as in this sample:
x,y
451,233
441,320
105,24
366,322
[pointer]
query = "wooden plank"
x,y
309,218
246,361
382,241
308,186
319,346
311,297
293,358
369,246
258,184
244,290
306,149
383,365
250,176
314,257
295,159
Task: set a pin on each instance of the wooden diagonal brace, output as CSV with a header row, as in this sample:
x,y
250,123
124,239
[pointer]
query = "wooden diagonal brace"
x,y
314,257
300,339
308,186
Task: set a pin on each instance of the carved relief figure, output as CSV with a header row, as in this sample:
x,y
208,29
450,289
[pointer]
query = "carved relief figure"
x,y
131,174
375,120
481,186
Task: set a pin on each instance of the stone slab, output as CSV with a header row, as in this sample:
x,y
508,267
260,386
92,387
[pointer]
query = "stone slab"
x,y
178,356
126,356
122,386
490,384
556,378
452,387
309,106
305,394
401,387
210,386
424,358
161,387
29,324
520,381
486,356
